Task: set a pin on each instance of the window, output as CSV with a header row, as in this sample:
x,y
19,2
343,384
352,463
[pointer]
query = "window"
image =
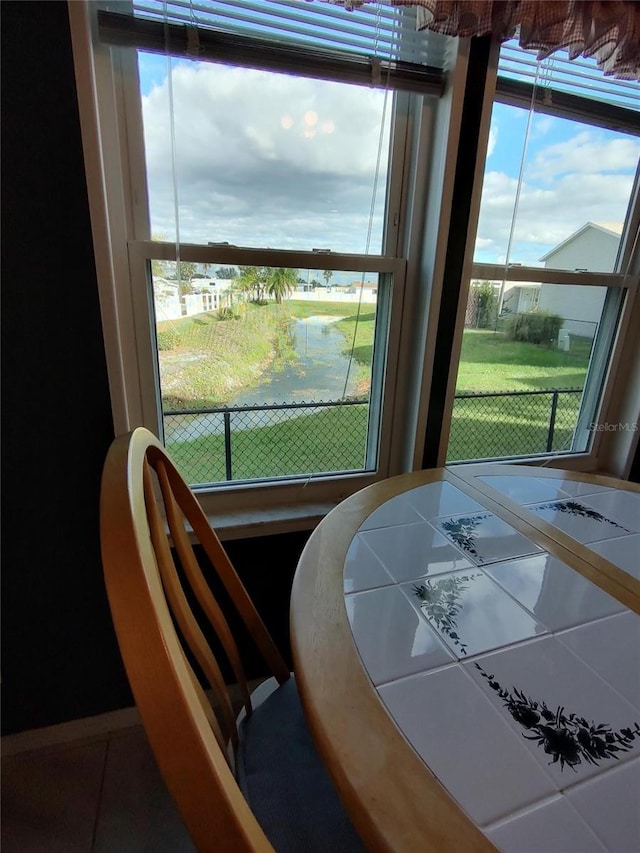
x,y
272,188
551,263
259,204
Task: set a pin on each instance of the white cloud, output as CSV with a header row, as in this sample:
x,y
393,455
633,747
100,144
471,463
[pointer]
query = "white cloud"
x,y
263,159
585,153
586,178
493,138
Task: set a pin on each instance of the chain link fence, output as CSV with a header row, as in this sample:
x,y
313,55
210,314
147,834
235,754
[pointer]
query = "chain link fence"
x,y
300,439
259,442
513,423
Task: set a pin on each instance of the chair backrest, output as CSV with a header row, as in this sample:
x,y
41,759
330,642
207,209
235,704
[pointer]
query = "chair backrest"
x,y
145,507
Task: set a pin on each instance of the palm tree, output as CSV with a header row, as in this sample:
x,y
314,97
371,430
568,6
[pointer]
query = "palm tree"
x,y
280,282
327,275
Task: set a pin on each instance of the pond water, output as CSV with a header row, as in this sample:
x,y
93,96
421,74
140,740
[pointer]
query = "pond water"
x,y
319,375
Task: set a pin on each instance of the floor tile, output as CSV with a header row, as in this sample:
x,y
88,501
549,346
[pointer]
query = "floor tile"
x,y
392,639
471,613
362,569
137,814
612,648
463,739
414,551
610,805
623,552
555,827
573,723
485,538
558,596
50,799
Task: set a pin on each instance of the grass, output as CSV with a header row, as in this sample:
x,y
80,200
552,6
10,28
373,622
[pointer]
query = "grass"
x,y
208,361
489,362
297,446
205,361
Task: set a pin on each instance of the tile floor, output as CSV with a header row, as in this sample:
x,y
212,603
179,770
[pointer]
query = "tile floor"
x,y
103,794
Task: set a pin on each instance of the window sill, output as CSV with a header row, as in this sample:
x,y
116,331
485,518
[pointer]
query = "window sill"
x,y
252,522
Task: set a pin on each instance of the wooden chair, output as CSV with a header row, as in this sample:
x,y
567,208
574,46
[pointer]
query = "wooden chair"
x,y
249,787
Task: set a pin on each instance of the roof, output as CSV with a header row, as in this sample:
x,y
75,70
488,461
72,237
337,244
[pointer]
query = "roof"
x,y
612,228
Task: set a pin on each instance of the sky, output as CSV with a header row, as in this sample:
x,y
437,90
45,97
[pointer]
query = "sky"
x,y
287,162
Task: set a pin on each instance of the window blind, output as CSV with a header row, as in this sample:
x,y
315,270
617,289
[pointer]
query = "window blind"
x,y
568,88
377,44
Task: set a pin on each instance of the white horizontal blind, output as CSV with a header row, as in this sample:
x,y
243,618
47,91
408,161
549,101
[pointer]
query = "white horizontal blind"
x,y
580,77
376,29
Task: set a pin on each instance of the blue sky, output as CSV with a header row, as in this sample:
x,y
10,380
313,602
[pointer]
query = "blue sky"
x,y
246,181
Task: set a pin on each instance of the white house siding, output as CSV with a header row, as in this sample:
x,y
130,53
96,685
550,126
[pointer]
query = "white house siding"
x,y
593,249
579,307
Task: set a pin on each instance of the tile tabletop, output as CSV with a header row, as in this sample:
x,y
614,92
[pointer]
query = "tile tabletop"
x,y
515,678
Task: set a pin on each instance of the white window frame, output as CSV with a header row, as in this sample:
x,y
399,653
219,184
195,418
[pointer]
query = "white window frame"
x,y
426,139
415,244
619,403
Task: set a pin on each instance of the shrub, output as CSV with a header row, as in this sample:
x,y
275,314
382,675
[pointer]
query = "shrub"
x,y
227,313
487,305
538,328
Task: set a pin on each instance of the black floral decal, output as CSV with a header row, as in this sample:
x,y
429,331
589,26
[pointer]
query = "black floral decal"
x,y
463,531
568,738
575,508
440,601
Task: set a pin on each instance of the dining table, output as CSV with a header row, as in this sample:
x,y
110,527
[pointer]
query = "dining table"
x,y
466,642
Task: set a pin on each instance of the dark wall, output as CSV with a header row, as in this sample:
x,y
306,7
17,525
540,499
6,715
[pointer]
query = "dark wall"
x,y
59,654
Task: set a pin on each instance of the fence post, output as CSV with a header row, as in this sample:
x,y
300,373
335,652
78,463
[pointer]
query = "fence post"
x,y
552,420
227,445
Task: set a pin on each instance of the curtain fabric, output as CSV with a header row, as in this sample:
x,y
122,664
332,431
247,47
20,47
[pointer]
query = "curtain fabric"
x,y
608,31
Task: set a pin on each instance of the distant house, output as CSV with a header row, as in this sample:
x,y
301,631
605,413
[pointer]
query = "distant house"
x,y
167,299
592,247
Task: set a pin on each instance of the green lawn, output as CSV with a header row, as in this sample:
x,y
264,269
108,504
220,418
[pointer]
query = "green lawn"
x,y
489,362
202,348
295,446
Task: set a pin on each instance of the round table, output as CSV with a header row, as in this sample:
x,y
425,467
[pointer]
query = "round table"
x,y
467,651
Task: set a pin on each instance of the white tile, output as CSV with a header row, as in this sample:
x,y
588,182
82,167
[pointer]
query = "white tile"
x,y
610,805
554,827
397,510
623,552
525,490
612,648
50,799
578,520
466,743
555,702
137,813
471,613
621,506
362,569
576,487
392,639
485,538
414,551
558,596
437,499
